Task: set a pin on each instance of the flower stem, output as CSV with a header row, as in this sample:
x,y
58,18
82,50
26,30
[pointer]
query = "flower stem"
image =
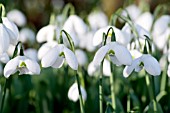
x,y
4,94
151,90
112,80
128,103
101,89
80,95
164,78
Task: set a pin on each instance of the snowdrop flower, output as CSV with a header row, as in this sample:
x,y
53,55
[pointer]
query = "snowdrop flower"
x,y
146,61
31,53
74,26
47,33
92,69
8,34
56,56
106,68
27,35
135,54
97,19
145,20
163,61
81,57
133,11
45,48
17,17
73,93
160,25
22,64
118,54
4,58
168,71
121,36
86,41
10,50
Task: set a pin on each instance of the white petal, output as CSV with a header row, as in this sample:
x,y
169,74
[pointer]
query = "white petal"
x,y
114,60
11,67
46,33
59,62
151,65
122,54
92,69
4,58
81,57
31,53
45,48
71,58
106,68
50,58
32,66
128,69
73,93
26,34
100,54
12,30
4,39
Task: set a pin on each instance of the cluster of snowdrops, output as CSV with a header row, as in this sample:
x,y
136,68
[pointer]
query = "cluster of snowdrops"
x,y
67,40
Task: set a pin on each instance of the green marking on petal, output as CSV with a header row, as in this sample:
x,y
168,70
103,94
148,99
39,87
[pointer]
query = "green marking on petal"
x,y
111,52
22,64
61,54
141,64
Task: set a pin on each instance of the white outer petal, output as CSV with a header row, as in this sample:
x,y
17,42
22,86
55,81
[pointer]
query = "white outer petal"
x,y
92,69
59,62
122,54
114,60
106,68
100,54
12,30
46,33
129,69
4,39
11,67
70,58
32,66
50,58
81,57
4,58
45,48
151,65
26,34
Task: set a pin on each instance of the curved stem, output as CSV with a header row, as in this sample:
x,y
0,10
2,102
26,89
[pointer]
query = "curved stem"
x,y
101,90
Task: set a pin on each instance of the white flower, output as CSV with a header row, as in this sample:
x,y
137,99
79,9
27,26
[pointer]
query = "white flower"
x,y
22,64
8,34
45,48
92,69
47,33
86,41
145,20
118,54
27,35
17,17
31,53
146,61
56,56
168,71
10,50
97,19
133,11
73,93
121,36
74,26
4,58
81,57
160,25
106,68
135,54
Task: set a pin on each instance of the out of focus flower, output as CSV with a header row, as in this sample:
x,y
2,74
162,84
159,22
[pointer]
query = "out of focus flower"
x,y
73,93
92,69
31,53
97,19
121,36
22,64
27,35
45,48
74,26
57,55
4,58
168,71
133,12
106,68
17,17
146,61
119,55
47,33
86,41
10,50
145,20
81,57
